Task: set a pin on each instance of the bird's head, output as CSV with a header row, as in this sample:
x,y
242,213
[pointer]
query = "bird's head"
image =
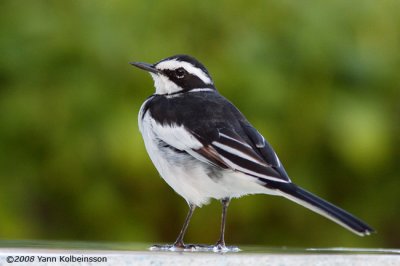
x,y
178,73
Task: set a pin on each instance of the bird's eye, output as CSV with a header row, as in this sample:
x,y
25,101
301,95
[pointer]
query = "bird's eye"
x,y
180,72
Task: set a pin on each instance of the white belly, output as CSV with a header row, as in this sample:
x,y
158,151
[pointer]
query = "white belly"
x,y
195,180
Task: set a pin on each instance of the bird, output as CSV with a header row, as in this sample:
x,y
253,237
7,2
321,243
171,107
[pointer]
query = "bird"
x,y
205,148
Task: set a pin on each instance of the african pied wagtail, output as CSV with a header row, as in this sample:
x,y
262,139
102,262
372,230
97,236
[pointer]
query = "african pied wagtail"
x,y
204,147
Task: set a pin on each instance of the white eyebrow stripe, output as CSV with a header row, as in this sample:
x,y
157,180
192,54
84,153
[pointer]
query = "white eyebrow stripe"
x,y
174,64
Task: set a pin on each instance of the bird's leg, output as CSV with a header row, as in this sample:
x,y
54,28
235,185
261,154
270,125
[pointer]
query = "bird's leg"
x,y
179,241
221,242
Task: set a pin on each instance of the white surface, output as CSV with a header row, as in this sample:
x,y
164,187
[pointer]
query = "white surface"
x,y
192,258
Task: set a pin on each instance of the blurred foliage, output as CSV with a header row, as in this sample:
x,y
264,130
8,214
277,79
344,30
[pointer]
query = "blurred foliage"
x,y
320,80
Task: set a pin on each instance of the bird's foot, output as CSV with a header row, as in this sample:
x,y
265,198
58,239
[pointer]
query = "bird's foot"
x,y
174,247
221,247
195,248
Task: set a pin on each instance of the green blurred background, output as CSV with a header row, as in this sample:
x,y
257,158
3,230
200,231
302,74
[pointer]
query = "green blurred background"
x,y
319,79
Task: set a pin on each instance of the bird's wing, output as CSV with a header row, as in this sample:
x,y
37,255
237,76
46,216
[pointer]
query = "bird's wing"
x,y
265,149
225,149
241,156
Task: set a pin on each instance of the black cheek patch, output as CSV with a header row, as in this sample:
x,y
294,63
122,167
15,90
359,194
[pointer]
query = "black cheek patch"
x,y
188,82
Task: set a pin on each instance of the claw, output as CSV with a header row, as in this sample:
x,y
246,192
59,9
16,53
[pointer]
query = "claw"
x,y
220,247
195,248
174,247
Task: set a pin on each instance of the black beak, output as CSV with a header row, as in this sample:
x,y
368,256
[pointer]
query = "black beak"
x,y
145,66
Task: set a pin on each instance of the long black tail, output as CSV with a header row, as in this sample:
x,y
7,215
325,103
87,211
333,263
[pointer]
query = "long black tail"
x,y
320,206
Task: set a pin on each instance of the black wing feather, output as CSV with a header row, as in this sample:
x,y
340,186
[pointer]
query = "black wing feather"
x,y
265,149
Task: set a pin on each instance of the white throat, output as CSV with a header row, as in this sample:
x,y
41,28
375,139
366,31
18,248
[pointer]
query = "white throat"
x,y
163,85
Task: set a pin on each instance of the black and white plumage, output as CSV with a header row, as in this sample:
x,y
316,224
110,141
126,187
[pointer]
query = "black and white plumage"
x,y
204,147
